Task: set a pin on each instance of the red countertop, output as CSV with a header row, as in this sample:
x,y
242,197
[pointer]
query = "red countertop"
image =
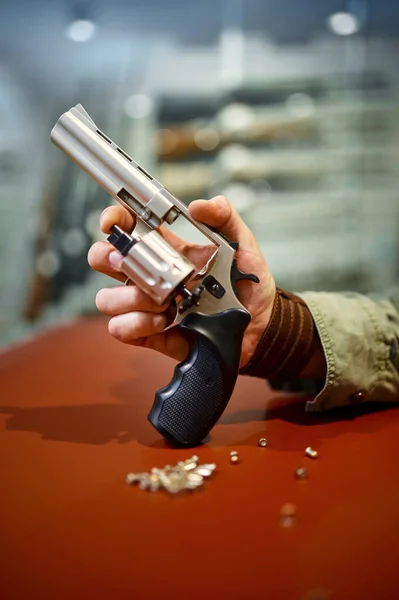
x,y
73,422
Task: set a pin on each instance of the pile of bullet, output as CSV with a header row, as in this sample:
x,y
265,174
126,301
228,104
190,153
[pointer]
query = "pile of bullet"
x,y
185,475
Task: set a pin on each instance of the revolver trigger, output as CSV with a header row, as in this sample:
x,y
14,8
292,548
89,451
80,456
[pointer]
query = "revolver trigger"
x,y
237,275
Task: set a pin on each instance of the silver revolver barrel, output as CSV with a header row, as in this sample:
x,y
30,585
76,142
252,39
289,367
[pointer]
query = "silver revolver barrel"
x,y
78,136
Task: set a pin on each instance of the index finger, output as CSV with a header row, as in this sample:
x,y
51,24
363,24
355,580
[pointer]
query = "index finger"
x,y
116,215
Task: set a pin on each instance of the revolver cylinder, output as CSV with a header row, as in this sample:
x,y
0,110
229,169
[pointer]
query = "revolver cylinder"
x,y
153,264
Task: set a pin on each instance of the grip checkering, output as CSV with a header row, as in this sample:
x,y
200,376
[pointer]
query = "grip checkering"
x,y
195,405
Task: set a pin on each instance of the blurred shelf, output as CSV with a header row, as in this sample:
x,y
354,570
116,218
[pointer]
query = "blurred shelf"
x,y
313,167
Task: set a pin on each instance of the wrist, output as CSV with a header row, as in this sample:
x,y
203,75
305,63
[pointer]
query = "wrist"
x,y
289,343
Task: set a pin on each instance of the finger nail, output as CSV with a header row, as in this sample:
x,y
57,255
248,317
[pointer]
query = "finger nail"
x,y
115,260
159,321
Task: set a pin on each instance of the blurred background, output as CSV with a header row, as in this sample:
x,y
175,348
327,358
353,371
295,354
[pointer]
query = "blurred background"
x,y
289,108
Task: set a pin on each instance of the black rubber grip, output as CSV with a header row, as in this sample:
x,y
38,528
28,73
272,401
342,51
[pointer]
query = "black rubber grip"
x,y
187,408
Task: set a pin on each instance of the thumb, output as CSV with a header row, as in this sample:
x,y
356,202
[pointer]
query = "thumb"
x,y
220,214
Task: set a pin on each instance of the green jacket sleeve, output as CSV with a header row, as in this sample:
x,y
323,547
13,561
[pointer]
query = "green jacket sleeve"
x,y
360,338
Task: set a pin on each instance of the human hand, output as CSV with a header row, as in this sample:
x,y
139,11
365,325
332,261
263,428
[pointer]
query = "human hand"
x,y
138,320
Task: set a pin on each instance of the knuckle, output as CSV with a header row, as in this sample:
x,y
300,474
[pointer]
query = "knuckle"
x,y
101,301
135,296
116,330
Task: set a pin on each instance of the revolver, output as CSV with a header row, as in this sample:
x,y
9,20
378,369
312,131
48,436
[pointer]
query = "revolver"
x,y
208,310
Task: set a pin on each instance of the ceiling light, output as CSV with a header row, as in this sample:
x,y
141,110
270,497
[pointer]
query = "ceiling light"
x,y
81,30
343,23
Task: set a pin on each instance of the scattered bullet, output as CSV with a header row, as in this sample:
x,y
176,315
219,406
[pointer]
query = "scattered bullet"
x,y
262,442
234,458
288,515
310,453
288,510
301,473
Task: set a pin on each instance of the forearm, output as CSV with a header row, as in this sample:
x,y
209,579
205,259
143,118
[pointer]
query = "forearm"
x,y
316,367
359,337
290,346
354,353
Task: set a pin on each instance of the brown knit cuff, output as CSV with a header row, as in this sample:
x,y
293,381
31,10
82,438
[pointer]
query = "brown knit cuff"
x,y
288,341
